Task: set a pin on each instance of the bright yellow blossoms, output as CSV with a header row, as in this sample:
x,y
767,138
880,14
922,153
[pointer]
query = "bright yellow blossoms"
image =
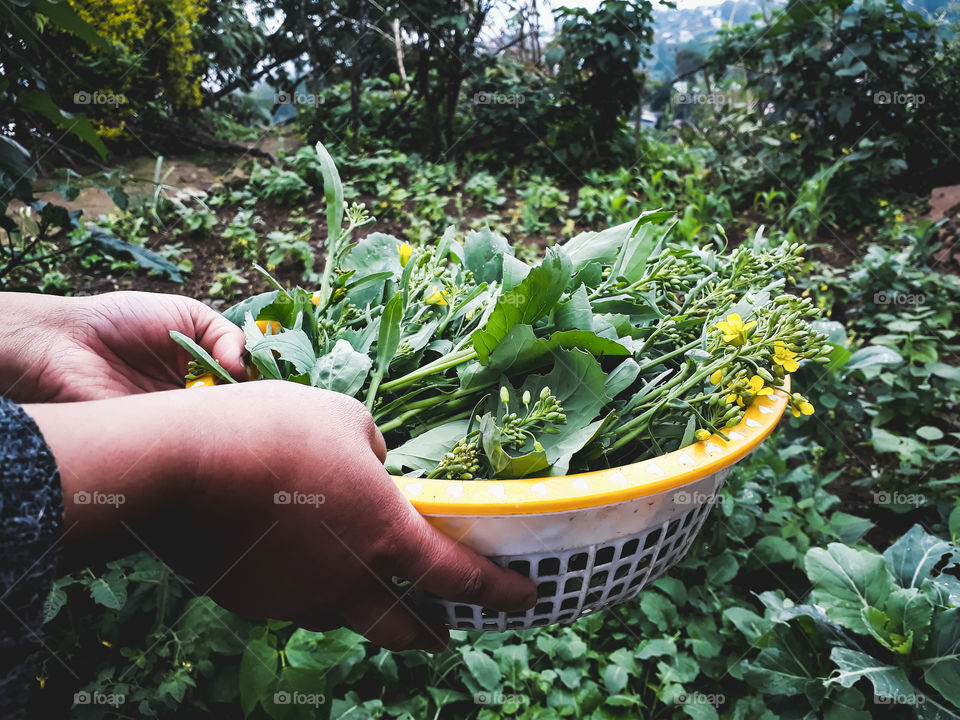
x,y
743,391
734,329
784,357
799,405
435,296
405,252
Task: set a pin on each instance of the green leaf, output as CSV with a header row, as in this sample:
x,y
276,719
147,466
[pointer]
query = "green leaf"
x,y
615,678
332,192
529,301
110,591
424,451
146,259
201,356
482,667
848,581
656,647
483,255
929,432
914,556
78,125
253,305
388,338
887,680
293,346
872,356
341,370
54,602
63,14
258,671
941,666
323,650
300,694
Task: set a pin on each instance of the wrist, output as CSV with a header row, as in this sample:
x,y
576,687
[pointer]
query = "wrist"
x,y
124,465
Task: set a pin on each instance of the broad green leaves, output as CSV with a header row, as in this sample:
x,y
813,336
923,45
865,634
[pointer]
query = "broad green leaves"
x,y
534,297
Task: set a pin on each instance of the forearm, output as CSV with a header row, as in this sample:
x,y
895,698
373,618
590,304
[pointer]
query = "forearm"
x,y
28,332
122,463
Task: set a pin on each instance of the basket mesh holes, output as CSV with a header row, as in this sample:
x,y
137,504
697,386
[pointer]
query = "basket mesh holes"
x,y
570,603
629,548
549,566
546,589
543,608
604,555
621,572
573,585
598,579
462,611
577,562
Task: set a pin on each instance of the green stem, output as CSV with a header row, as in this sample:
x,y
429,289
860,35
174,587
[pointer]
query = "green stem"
x,y
372,390
657,360
439,365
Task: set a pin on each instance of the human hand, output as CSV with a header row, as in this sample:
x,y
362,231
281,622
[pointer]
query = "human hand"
x,y
200,471
89,348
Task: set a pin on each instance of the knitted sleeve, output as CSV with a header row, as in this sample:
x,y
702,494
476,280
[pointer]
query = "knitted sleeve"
x,y
31,513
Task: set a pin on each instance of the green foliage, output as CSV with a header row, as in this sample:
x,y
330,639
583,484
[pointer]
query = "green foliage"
x,y
865,79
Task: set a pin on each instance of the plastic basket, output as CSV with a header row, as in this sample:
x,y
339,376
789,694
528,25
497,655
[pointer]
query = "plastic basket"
x,y
592,540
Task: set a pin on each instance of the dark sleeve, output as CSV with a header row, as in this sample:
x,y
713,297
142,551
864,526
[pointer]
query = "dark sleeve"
x,y
31,513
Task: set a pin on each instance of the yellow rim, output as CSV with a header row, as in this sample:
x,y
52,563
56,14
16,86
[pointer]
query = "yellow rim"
x,y
601,487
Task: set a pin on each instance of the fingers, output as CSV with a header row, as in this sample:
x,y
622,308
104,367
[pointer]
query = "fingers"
x,y
219,337
439,564
386,622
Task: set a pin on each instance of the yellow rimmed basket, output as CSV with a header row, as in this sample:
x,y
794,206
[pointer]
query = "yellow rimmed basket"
x,y
592,540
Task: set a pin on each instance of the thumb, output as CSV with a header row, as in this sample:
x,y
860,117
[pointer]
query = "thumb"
x,y
219,337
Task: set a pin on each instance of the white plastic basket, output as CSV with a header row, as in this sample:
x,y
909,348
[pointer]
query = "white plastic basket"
x,y
592,540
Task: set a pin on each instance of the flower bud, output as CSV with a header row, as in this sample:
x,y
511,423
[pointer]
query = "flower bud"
x,y
504,395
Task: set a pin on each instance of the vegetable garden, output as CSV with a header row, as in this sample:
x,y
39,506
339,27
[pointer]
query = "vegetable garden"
x,y
521,280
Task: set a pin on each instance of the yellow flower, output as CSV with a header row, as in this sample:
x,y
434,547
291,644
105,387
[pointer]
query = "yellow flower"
x,y
734,329
846,151
799,405
405,252
899,217
743,391
716,377
42,680
702,434
795,136
883,203
435,296
315,298
784,357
